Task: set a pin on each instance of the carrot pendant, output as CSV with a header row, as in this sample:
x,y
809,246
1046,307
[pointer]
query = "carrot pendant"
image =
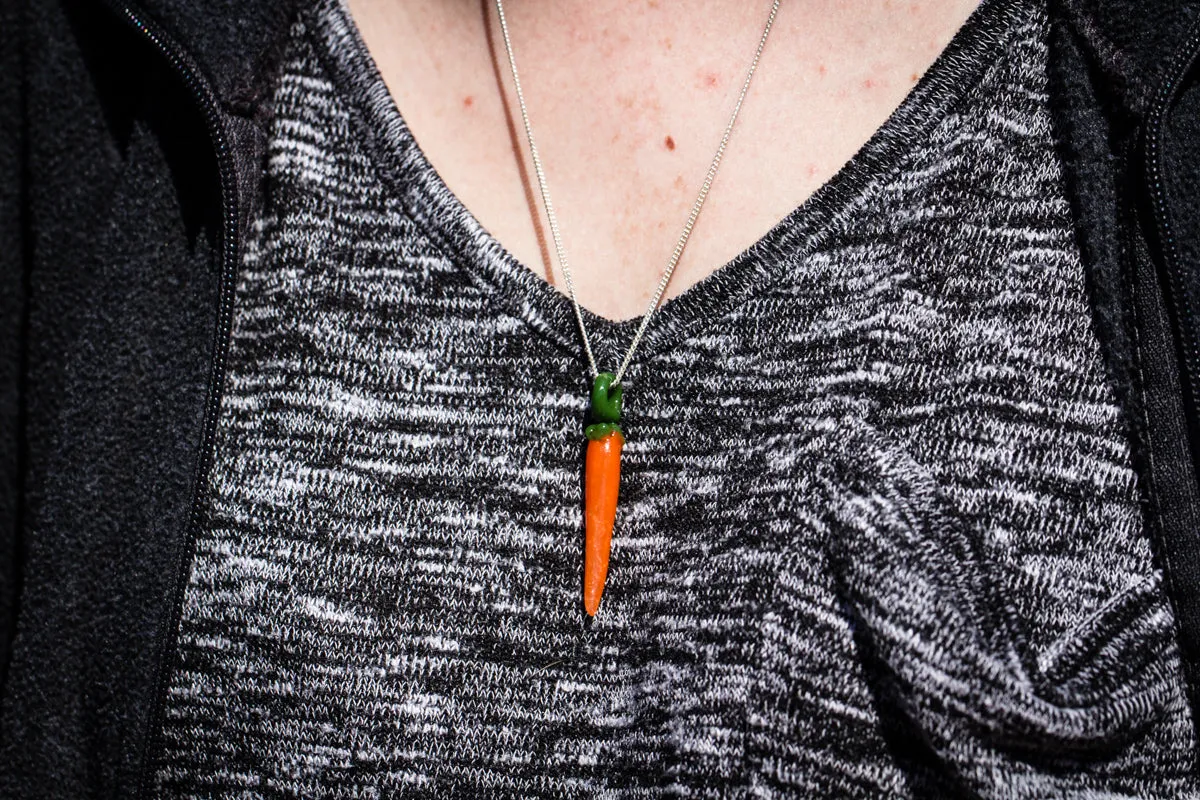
x,y
602,479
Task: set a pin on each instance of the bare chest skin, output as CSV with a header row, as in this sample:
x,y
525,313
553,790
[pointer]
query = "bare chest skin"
x,y
628,100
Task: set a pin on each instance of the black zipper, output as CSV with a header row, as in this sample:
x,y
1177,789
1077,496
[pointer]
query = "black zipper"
x,y
1176,536
1179,296
206,99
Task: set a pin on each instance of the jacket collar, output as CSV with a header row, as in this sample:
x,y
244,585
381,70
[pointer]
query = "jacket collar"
x,y
235,43
1127,43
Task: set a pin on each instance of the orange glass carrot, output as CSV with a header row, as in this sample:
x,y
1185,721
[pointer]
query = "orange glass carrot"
x,y
602,480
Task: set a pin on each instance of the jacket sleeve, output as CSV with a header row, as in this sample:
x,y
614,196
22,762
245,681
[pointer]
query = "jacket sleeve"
x,y
13,297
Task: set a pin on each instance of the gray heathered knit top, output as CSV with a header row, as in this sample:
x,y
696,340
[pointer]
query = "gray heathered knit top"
x,y
879,533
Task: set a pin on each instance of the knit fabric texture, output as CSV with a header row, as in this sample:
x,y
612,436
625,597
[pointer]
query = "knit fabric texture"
x,y
879,532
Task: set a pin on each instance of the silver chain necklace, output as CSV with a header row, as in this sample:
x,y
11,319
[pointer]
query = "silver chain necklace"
x,y
602,466
552,219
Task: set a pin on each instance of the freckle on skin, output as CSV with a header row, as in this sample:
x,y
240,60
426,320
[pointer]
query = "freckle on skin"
x,y
709,80
914,77
670,143
679,182
811,170
468,101
822,70
869,83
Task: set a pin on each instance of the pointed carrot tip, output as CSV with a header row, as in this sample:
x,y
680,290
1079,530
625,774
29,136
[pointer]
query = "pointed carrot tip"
x,y
591,603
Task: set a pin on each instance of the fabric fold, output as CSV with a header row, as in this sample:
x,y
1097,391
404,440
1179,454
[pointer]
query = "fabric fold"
x,y
917,582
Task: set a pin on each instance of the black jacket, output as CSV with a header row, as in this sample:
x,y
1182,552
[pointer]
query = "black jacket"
x,y
131,160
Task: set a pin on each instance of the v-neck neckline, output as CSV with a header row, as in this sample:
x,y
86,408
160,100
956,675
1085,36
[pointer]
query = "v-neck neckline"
x,y
525,294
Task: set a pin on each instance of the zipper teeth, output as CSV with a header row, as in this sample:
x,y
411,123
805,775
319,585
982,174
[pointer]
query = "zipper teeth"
x,y
1180,294
207,100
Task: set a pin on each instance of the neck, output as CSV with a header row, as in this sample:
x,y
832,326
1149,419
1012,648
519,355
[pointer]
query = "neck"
x,y
628,101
